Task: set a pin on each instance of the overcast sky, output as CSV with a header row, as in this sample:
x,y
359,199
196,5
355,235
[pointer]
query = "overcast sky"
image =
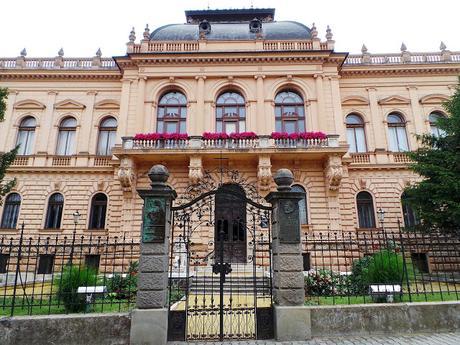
x,y
82,26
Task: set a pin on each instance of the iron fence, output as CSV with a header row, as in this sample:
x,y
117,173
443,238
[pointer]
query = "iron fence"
x,y
60,274
381,266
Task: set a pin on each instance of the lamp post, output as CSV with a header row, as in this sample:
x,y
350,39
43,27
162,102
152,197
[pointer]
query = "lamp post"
x,y
381,217
76,217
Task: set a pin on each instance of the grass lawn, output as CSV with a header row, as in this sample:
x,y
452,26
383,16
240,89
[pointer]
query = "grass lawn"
x,y
428,297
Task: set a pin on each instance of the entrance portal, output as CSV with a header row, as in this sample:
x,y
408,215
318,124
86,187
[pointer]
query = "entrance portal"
x,y
230,224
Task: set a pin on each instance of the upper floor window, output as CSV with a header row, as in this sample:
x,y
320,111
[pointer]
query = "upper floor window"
x,y
107,136
365,208
435,130
397,133
289,112
98,211
11,211
230,113
172,113
66,137
26,135
303,213
54,211
355,133
410,217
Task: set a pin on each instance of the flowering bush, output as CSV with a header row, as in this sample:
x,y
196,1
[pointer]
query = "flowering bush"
x,y
235,136
161,136
325,283
296,136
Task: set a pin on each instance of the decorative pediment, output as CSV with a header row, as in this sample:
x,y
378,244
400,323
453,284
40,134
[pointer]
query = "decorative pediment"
x,y
29,104
434,99
355,100
393,100
107,104
69,104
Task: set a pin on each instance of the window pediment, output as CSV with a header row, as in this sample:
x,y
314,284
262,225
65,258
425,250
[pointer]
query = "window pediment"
x,y
434,99
355,100
29,104
107,104
69,104
393,100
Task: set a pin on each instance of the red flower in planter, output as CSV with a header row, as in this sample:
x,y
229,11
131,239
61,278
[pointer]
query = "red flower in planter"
x,y
215,136
243,135
161,136
279,135
297,136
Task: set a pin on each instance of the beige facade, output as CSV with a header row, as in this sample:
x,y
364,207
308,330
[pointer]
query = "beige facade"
x,y
331,84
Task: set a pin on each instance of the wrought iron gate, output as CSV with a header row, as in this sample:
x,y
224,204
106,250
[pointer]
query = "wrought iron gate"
x,y
220,279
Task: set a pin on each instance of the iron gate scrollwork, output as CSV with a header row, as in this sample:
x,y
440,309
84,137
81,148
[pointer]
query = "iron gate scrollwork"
x,y
220,278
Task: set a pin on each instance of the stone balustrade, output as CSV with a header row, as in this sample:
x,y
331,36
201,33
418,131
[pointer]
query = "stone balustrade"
x,y
58,63
199,143
403,58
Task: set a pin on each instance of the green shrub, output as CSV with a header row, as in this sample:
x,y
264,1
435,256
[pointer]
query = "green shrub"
x,y
325,283
359,268
71,279
124,287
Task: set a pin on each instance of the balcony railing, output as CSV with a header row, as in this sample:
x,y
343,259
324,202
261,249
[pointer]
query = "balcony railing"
x,y
406,58
199,143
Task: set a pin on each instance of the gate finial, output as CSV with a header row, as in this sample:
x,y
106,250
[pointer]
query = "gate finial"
x,y
284,179
158,174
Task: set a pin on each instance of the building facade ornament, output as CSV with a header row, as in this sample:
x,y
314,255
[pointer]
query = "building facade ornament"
x,y
334,172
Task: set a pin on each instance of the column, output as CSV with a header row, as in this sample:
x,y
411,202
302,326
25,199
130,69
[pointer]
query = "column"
x,y
140,105
380,132
418,117
199,122
339,125
149,321
259,125
292,320
322,123
46,128
85,136
124,107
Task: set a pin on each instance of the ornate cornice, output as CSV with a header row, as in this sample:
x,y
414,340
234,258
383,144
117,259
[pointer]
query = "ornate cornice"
x,y
60,75
400,70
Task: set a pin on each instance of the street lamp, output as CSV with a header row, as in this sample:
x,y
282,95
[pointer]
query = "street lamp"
x,y
76,217
381,217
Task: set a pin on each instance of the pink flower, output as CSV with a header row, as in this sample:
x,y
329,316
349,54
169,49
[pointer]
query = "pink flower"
x,y
161,136
279,135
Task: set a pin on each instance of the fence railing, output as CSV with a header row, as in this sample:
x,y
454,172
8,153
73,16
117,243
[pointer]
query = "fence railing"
x,y
60,274
375,265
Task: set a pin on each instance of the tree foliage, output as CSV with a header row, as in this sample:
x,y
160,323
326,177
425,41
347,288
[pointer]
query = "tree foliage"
x,y
436,198
8,157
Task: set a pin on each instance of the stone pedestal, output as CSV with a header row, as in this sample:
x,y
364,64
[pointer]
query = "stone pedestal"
x,y
288,279
149,324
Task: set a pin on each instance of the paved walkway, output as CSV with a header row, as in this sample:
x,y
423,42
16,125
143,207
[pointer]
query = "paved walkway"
x,y
412,339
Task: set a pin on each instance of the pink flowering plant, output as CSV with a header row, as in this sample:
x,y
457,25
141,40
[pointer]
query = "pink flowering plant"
x,y
297,136
224,136
161,136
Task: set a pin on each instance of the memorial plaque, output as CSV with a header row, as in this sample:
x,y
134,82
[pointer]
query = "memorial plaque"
x,y
289,222
154,222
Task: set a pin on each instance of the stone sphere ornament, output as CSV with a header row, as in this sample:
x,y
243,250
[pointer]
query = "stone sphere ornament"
x,y
158,174
284,179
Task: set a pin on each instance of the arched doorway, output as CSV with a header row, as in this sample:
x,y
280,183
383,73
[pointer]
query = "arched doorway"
x,y
230,223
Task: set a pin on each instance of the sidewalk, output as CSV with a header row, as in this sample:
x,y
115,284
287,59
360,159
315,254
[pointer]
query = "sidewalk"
x,y
411,339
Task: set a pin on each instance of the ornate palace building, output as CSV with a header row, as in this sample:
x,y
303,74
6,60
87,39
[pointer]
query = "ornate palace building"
x,y
247,94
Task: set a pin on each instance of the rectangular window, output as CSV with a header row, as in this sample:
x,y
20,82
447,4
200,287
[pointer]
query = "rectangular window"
x,y
306,261
92,261
45,264
4,259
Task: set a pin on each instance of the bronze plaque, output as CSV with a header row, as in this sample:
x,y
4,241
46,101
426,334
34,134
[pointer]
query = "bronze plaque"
x,y
154,222
289,222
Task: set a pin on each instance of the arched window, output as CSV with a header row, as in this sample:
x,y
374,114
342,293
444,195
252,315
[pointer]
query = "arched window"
x,y
410,217
26,136
54,211
11,211
289,112
397,133
172,113
107,136
66,137
98,211
435,130
355,133
230,113
303,213
365,207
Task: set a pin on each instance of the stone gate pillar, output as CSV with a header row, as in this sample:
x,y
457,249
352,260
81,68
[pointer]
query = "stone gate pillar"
x,y
290,319
149,321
